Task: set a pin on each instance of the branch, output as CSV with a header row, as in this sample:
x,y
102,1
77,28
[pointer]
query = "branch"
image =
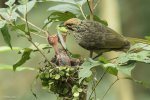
x,y
90,7
30,39
41,52
38,35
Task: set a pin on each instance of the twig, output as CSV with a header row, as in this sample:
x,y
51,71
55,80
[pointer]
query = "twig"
x,y
41,53
31,87
109,88
26,20
38,35
94,90
90,6
92,10
34,26
30,39
98,82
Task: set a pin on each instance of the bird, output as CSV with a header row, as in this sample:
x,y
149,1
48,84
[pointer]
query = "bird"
x,y
95,36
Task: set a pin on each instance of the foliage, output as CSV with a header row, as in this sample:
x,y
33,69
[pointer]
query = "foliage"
x,y
6,35
61,80
66,81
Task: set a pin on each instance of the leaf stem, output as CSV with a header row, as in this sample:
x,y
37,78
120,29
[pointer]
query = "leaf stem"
x,y
109,88
26,20
98,82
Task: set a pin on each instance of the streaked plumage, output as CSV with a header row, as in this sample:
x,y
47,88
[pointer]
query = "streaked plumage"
x,y
93,35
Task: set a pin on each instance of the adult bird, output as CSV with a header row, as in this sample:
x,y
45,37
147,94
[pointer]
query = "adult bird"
x,y
95,36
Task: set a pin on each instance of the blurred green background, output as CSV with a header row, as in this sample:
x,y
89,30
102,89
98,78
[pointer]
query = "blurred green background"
x,y
129,16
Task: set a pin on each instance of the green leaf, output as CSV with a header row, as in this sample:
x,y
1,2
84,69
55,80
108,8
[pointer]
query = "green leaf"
x,y
57,76
103,59
81,2
126,69
80,90
21,27
96,18
112,68
23,1
24,58
138,82
85,71
6,48
75,89
10,2
140,47
8,14
76,94
6,35
65,7
10,67
30,5
142,56
61,16
62,1
2,23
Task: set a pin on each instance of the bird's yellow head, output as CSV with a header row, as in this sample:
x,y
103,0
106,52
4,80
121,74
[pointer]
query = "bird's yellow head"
x,y
73,21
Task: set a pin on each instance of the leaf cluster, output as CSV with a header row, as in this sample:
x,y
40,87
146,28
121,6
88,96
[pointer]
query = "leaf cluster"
x,y
61,80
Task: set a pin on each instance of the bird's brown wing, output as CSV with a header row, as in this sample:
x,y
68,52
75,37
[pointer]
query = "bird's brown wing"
x,y
93,35
113,39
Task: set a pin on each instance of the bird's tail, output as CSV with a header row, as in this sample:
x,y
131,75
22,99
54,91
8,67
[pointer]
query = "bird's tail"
x,y
137,40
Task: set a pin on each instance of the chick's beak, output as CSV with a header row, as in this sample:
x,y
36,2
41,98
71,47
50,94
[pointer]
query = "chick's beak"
x,y
68,26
